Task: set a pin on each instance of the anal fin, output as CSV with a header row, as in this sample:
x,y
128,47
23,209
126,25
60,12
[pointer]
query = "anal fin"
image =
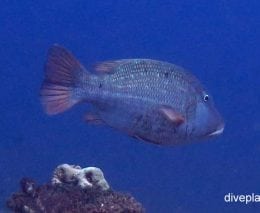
x,y
93,118
144,139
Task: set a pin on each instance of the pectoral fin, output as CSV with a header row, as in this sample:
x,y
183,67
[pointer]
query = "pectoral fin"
x,y
172,115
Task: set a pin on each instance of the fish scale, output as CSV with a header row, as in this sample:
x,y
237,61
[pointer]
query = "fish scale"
x,y
144,87
136,83
130,76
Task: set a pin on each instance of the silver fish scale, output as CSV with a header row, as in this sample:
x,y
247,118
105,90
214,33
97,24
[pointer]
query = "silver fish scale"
x,y
130,96
149,81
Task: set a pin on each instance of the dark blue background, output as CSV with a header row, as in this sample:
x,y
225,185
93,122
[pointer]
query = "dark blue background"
x,y
218,40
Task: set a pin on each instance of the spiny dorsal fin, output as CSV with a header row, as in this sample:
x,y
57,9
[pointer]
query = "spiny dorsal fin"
x,y
109,66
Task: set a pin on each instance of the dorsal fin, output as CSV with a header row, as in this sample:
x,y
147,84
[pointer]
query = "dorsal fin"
x,y
108,66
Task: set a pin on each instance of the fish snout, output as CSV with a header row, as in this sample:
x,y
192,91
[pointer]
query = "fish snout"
x,y
216,123
218,131
208,121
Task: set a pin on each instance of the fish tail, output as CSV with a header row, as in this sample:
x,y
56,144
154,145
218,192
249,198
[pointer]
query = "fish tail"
x,y
63,77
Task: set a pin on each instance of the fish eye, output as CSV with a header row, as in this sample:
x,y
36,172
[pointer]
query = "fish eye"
x,y
206,97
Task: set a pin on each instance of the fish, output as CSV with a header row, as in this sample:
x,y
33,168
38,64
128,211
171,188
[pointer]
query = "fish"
x,y
150,100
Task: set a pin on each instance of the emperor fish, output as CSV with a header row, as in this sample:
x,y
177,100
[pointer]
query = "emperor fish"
x,y
154,101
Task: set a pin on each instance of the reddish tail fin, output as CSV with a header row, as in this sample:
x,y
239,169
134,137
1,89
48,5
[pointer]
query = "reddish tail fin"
x,y
62,75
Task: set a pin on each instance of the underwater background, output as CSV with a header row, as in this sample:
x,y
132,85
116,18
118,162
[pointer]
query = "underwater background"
x,y
218,40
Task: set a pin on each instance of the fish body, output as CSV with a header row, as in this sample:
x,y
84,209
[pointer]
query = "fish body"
x,y
151,100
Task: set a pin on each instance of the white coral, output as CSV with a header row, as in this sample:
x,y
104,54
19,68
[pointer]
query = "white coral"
x,y
89,177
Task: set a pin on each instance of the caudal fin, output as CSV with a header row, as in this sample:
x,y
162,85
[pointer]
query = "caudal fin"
x,y
63,74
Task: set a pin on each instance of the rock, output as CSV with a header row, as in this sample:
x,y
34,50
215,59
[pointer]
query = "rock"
x,y
72,190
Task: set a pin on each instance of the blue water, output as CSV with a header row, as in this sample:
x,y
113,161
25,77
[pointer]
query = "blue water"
x,y
219,40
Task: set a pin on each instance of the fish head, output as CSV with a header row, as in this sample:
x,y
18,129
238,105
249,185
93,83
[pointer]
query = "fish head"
x,y
207,121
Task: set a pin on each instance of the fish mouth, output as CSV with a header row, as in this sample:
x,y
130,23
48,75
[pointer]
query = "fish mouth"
x,y
219,131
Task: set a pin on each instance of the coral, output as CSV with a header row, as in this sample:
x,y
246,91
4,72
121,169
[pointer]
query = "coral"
x,y
67,195
90,177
